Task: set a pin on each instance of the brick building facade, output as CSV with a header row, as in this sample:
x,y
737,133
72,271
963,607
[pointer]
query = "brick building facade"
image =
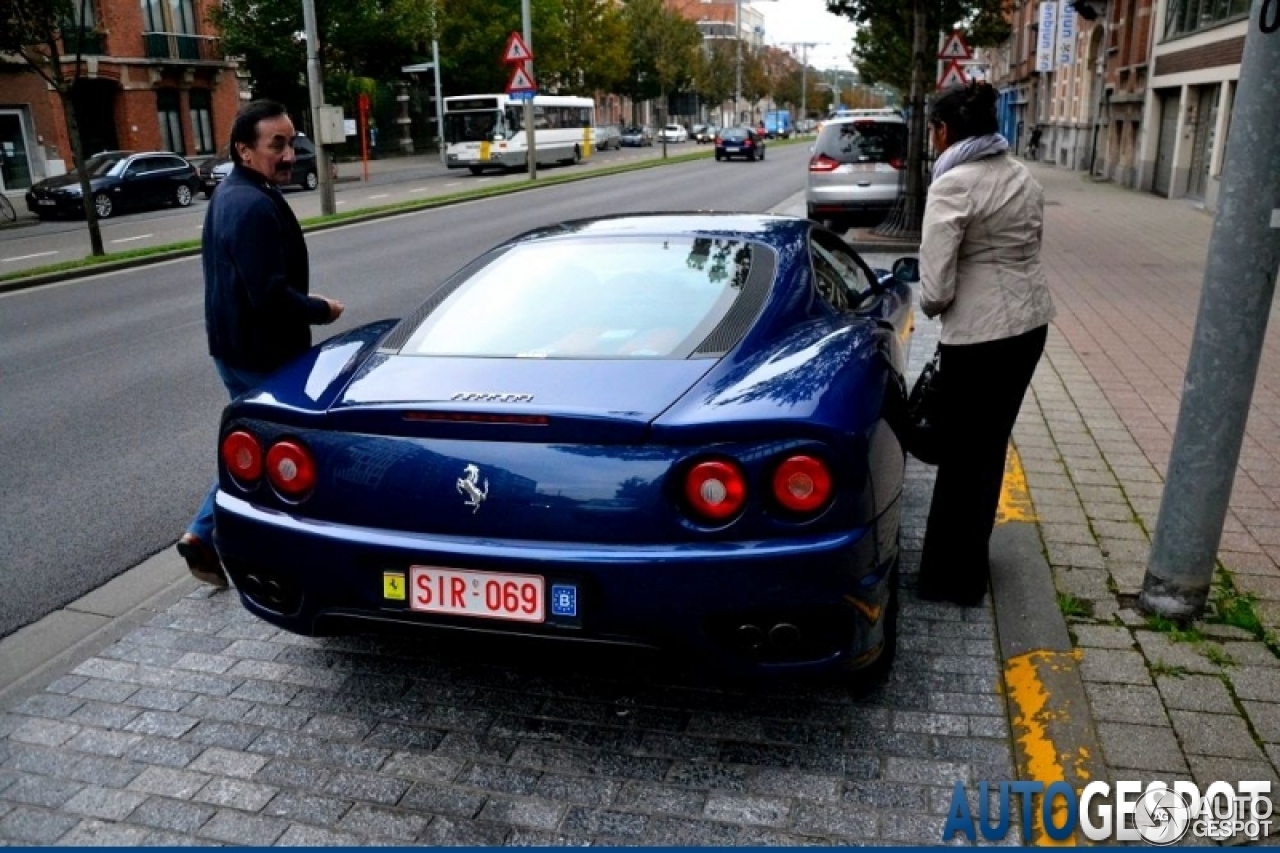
x,y
153,78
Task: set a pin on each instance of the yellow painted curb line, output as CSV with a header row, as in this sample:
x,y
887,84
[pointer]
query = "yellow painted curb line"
x,y
1015,497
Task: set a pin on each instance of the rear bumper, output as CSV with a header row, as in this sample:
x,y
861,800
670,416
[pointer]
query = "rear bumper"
x,y
832,588
847,199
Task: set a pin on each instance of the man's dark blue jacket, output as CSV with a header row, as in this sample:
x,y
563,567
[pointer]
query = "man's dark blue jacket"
x,y
257,310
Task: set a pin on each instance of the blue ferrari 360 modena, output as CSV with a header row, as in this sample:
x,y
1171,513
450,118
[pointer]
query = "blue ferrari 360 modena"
x,y
672,431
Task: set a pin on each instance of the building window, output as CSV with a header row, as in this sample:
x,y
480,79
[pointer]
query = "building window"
x,y
170,118
202,120
1188,16
169,16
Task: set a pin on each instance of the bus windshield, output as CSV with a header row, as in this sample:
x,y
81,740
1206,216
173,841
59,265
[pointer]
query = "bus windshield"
x,y
483,126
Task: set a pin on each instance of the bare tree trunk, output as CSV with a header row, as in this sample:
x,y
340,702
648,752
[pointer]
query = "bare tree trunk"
x,y
77,151
907,216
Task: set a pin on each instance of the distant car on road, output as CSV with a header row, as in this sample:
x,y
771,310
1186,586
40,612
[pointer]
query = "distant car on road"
x,y
673,133
119,181
745,142
637,137
704,133
608,136
673,430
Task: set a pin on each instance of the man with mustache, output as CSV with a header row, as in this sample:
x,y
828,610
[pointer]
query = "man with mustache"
x,y
258,312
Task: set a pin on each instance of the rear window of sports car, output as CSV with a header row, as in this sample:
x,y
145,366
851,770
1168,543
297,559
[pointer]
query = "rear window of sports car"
x,y
636,297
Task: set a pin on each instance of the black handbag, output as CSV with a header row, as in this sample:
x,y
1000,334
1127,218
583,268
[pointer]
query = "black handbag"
x,y
924,411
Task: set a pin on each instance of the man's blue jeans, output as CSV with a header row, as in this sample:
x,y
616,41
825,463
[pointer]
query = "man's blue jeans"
x,y
238,382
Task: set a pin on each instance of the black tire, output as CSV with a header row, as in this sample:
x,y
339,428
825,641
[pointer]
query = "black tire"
x,y
762,153
475,170
310,180
752,156
719,157
183,195
103,204
208,194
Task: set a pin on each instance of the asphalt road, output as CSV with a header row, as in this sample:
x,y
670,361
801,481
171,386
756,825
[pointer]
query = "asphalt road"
x,y
109,403
34,244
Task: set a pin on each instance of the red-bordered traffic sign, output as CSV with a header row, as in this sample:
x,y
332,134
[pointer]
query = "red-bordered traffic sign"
x,y
521,81
516,50
955,47
952,75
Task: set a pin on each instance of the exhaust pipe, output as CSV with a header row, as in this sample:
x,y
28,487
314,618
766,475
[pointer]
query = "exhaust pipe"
x,y
784,636
751,637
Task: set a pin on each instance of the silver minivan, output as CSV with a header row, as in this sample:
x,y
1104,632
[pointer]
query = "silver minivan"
x,y
856,166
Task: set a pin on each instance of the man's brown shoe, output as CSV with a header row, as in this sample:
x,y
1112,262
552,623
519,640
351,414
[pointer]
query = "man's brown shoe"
x,y
202,561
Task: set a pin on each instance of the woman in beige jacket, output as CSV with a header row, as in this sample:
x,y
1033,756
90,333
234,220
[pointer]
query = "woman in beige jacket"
x,y
980,273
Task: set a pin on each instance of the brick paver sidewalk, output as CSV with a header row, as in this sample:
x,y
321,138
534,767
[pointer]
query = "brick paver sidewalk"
x,y
1094,438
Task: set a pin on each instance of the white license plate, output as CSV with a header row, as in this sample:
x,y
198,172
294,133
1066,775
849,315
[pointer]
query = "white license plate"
x,y
489,595
731,149
45,202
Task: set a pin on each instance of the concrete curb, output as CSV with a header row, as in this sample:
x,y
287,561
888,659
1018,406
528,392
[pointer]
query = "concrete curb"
x,y
37,653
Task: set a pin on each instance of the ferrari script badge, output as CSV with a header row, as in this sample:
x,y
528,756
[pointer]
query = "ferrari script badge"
x,y
469,485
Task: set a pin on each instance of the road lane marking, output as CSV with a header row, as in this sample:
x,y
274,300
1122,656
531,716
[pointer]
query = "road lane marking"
x,y
379,195
1015,498
131,239
454,184
424,189
27,257
339,202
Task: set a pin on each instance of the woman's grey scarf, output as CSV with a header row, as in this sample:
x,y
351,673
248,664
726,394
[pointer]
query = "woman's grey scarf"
x,y
968,150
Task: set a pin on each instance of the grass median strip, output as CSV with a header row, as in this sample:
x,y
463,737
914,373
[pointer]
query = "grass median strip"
x,y
154,254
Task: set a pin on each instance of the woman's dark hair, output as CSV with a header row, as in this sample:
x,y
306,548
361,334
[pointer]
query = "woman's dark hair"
x,y
244,128
967,111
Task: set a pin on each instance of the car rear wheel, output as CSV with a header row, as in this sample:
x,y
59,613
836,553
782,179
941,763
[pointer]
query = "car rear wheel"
x,y
182,196
719,157
102,204
310,180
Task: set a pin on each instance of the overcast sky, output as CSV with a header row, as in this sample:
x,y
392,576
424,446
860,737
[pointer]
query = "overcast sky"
x,y
809,20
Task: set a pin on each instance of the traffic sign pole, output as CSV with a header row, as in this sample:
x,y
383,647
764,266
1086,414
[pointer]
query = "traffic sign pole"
x,y
528,105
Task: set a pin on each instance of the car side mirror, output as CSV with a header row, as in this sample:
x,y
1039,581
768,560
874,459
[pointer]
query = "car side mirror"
x,y
906,270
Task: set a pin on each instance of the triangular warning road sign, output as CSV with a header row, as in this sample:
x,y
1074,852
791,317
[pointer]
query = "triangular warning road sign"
x,y
955,47
516,49
953,75
521,81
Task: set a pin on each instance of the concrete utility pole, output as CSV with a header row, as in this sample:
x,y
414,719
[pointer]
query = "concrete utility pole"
x,y
528,105
315,87
737,83
1239,283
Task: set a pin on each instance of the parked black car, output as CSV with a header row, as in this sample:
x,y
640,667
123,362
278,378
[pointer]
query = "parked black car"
x,y
305,172
745,142
119,181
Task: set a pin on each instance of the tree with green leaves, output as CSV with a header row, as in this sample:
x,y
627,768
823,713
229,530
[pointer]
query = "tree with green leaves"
x,y
360,38
714,71
663,50
43,33
896,58
591,55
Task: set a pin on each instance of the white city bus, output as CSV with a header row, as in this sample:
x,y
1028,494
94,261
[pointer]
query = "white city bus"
x,y
487,131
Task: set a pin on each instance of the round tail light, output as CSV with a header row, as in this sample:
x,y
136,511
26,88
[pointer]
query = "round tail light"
x,y
716,490
242,454
291,469
802,484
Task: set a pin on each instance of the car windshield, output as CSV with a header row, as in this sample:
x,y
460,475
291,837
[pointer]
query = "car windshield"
x,y
866,141
638,297
105,164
